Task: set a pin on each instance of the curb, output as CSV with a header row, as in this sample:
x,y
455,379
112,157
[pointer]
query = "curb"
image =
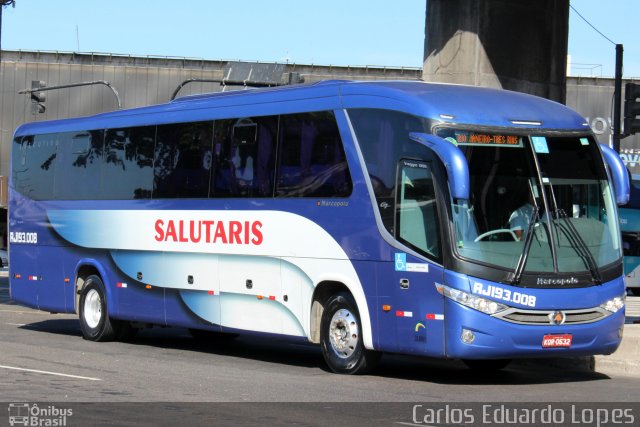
x,y
626,360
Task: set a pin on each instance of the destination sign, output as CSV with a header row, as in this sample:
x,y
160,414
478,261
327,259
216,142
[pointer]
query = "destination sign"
x,y
486,139
459,137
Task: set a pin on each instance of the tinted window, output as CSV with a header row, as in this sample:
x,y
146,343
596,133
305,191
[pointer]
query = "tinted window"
x,y
183,160
383,137
80,163
127,172
416,208
244,157
18,164
312,162
34,163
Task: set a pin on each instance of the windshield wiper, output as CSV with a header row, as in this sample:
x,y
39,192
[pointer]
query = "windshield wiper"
x,y
522,261
578,244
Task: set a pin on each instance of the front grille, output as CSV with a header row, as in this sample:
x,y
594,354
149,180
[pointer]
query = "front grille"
x,y
543,317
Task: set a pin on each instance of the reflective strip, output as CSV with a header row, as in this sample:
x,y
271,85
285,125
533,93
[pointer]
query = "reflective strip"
x,y
431,316
404,313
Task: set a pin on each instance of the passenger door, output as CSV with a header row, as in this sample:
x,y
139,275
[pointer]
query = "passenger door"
x,y
418,306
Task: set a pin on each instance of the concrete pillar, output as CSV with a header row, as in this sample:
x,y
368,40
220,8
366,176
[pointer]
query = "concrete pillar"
x,y
511,44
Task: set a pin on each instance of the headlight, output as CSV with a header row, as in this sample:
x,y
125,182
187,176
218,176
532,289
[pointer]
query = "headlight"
x,y
477,303
614,304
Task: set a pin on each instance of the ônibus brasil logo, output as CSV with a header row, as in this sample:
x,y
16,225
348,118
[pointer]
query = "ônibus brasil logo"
x,y
31,414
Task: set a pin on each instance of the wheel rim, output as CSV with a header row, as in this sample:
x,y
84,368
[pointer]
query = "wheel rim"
x,y
92,308
343,333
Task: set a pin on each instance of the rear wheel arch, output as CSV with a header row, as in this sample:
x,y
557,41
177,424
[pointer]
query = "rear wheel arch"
x,y
83,271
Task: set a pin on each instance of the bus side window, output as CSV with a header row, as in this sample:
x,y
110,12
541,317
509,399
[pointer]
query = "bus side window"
x,y
243,157
127,170
383,138
36,158
312,161
222,169
183,160
80,159
19,164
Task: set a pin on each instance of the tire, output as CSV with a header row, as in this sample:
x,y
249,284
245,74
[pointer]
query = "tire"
x,y
634,291
341,337
95,323
486,365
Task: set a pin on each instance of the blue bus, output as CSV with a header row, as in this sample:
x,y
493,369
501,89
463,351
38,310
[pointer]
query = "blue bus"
x,y
366,217
629,216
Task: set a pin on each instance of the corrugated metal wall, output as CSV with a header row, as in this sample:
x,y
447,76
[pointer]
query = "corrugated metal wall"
x,y
593,98
139,81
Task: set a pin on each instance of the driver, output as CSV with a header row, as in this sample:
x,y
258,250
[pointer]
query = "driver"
x,y
519,219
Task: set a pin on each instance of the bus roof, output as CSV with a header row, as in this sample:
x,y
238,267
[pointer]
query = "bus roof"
x,y
446,103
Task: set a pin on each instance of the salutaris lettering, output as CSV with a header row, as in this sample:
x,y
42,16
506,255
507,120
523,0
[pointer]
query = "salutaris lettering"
x,y
209,231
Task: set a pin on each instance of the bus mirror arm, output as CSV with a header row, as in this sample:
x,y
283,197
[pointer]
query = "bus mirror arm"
x,y
453,159
619,175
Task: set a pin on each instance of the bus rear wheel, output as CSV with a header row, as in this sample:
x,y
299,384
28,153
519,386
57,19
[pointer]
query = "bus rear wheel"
x,y
95,323
341,337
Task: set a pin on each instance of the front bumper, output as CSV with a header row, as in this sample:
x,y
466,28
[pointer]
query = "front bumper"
x,y
499,339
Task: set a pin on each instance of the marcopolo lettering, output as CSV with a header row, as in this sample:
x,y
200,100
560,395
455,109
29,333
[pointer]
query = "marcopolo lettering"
x,y
557,281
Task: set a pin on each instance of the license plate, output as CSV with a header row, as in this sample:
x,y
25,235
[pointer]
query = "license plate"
x,y
555,341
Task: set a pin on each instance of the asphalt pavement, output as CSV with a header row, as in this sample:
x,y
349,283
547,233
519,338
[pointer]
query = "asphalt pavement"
x,y
44,359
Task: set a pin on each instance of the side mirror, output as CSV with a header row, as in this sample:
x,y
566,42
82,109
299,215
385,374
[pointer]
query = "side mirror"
x,y
619,175
453,159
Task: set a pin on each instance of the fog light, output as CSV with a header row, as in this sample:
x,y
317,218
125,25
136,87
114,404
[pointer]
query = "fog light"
x,y
467,336
620,332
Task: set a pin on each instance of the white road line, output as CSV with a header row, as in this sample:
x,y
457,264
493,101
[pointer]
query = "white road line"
x,y
16,324
49,373
26,312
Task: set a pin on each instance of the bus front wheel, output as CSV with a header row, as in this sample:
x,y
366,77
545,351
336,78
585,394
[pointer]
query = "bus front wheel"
x,y
341,337
95,323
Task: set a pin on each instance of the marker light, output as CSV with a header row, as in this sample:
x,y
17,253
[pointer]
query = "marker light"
x,y
477,303
614,304
526,122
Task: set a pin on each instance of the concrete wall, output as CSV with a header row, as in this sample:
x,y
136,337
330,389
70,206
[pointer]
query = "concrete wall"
x,y
511,44
593,98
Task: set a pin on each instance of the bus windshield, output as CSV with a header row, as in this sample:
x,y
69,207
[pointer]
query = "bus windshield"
x,y
537,203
